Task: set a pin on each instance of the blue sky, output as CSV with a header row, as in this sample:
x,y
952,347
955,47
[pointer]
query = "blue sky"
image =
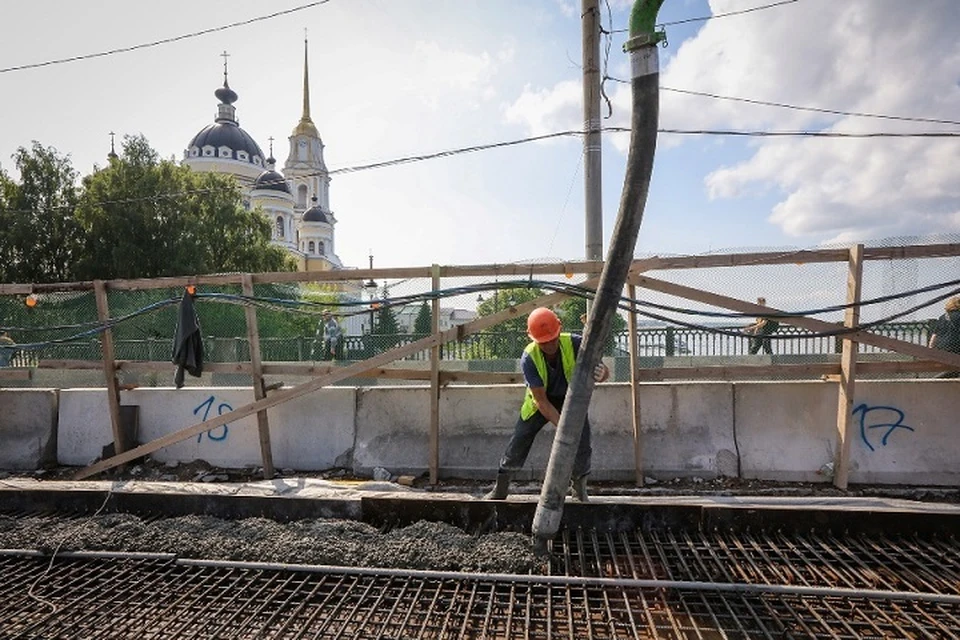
x,y
391,78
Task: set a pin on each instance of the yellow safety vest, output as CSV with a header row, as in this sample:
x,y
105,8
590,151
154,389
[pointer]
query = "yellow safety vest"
x,y
529,406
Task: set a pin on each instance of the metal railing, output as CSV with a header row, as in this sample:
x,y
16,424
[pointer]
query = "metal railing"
x,y
664,341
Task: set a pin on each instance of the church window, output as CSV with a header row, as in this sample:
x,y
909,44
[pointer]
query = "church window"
x,y
257,161
311,247
302,196
243,155
194,152
279,226
208,152
225,152
320,247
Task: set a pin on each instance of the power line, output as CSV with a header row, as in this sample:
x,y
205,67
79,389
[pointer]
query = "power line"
x,y
156,43
510,143
717,15
728,13
785,105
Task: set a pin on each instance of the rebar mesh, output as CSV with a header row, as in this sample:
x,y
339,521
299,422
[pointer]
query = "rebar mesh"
x,y
126,598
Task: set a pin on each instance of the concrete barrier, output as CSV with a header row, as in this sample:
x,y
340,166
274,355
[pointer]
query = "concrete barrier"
x,y
28,428
311,432
903,431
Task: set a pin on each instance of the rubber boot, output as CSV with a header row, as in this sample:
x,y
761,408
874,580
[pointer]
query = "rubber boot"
x,y
501,488
579,487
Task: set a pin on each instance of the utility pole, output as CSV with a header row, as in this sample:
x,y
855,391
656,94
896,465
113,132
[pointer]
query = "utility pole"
x,y
592,146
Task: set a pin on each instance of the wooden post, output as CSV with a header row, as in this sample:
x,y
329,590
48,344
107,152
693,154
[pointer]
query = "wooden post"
x,y
109,366
259,393
634,386
435,382
848,369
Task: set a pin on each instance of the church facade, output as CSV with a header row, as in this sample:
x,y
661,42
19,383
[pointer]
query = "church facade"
x,y
297,201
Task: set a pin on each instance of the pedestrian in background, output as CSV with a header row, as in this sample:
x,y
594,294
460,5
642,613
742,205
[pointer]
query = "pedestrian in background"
x,y
946,333
547,364
762,327
332,333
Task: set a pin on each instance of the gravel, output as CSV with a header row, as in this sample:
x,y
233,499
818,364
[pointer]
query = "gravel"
x,y
422,545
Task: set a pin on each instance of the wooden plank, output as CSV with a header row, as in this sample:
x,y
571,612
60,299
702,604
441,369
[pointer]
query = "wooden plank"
x,y
259,392
706,372
848,369
635,386
390,373
824,369
810,324
341,373
109,367
944,250
434,455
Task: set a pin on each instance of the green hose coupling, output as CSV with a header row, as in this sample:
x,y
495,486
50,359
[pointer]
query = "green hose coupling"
x,y
643,21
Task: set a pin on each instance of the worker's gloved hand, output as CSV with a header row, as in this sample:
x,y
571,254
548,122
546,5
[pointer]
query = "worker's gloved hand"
x,y
600,372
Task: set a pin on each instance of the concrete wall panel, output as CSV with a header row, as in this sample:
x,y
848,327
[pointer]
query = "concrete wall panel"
x,y
84,426
312,432
906,433
687,429
786,430
28,428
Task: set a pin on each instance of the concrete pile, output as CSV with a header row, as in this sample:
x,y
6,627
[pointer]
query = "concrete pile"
x,y
422,545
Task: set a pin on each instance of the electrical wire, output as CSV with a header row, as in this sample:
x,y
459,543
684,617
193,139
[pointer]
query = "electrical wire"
x,y
727,14
510,143
784,105
155,43
353,307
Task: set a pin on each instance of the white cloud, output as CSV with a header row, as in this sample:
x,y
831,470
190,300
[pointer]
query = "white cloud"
x,y
548,110
877,56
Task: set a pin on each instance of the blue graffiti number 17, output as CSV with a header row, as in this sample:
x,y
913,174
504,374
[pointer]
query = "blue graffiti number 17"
x,y
222,408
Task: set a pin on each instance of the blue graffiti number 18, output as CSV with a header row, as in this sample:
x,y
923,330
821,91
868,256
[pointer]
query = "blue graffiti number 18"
x,y
222,408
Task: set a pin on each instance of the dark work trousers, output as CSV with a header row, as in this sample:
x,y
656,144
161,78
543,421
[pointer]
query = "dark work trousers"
x,y
526,431
756,344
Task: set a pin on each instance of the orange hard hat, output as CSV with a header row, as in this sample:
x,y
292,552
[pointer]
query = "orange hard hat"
x,y
543,325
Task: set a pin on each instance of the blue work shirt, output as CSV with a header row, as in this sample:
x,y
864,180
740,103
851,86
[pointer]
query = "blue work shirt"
x,y
557,383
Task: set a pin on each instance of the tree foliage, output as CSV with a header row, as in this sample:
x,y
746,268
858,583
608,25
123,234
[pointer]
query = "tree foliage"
x,y
570,312
144,217
424,320
508,338
39,237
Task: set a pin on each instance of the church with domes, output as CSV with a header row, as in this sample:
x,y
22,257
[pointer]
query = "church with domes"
x,y
296,201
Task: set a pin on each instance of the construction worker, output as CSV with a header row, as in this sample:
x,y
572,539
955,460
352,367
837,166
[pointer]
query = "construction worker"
x,y
946,333
547,364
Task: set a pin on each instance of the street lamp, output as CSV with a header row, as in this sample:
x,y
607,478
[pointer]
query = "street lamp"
x,y
371,286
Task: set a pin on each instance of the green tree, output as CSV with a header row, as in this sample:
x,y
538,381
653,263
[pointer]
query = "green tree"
x,y
39,238
424,321
144,218
572,309
508,338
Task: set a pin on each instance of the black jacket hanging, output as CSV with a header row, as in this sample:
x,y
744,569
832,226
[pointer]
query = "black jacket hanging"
x,y
187,345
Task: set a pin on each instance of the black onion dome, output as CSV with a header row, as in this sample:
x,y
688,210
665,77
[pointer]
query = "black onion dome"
x,y
227,134
315,213
271,180
225,94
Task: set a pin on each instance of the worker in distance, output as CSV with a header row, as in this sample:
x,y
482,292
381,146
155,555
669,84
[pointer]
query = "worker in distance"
x,y
547,364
